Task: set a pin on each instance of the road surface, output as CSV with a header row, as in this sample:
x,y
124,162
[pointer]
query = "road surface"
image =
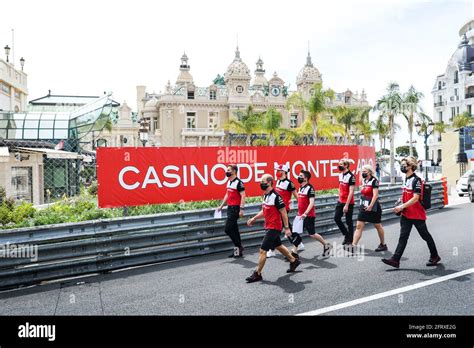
x,y
339,285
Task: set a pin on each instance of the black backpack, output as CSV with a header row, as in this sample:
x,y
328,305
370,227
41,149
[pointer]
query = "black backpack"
x,y
426,195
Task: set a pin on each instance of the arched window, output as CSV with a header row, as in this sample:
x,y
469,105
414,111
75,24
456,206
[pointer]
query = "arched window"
x,y
456,76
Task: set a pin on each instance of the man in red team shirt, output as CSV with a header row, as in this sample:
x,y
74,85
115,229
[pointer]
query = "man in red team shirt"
x,y
345,204
285,188
306,211
235,199
274,211
413,213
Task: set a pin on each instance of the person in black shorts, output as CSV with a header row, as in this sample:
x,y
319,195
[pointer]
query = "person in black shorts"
x,y
370,209
273,211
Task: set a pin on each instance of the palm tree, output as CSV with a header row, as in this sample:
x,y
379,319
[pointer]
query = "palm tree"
x,y
271,122
390,106
326,129
247,123
411,101
463,120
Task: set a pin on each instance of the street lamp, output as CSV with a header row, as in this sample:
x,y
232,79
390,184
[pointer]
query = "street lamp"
x,y
22,63
143,131
7,52
425,130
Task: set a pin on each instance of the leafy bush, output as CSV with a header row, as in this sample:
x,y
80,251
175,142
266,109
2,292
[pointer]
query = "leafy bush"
x,y
3,194
92,190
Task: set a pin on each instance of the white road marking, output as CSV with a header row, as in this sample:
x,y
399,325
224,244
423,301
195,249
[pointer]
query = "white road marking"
x,y
389,293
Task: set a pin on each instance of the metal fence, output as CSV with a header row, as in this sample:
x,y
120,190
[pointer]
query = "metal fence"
x,y
75,249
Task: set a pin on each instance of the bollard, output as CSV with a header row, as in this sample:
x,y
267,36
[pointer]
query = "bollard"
x,y
445,190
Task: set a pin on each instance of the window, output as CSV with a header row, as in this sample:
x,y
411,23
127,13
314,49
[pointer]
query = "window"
x,y
469,110
439,84
347,99
457,110
453,113
213,120
22,183
456,76
155,124
190,94
440,116
191,120
294,120
212,95
440,99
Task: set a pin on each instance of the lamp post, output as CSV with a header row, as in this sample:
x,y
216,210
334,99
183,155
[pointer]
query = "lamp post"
x,y
22,63
143,131
425,130
7,52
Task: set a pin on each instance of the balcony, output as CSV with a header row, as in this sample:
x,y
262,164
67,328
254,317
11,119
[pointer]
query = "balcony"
x,y
454,98
469,95
202,132
441,103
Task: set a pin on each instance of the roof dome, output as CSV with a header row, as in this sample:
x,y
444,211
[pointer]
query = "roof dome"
x,y
309,73
184,76
464,55
237,69
151,104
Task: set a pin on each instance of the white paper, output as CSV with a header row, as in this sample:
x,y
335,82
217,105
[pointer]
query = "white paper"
x,y
218,214
298,224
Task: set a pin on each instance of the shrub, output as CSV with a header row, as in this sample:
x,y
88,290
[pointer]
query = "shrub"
x,y
92,190
23,212
3,194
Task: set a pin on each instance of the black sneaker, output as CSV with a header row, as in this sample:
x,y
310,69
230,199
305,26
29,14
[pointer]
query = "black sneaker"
x,y
235,252
345,241
293,265
381,247
433,261
327,250
255,277
295,255
240,252
391,262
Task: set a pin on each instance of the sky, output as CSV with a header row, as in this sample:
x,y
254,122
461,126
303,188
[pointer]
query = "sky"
x,y
88,47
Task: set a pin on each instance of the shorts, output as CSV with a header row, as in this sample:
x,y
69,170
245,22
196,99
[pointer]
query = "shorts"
x,y
308,224
371,216
271,241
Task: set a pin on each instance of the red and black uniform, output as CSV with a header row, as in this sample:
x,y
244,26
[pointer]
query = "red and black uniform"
x,y
234,189
346,180
304,194
285,189
414,215
366,195
272,203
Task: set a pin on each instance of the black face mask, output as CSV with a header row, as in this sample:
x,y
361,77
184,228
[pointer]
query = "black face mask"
x,y
228,174
403,169
300,180
263,186
365,175
341,168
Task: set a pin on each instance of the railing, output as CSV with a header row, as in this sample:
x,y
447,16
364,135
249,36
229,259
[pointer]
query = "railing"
x,y
75,249
439,104
469,95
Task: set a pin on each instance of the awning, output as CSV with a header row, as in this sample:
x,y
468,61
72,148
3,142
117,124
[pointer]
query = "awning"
x,y
4,154
51,153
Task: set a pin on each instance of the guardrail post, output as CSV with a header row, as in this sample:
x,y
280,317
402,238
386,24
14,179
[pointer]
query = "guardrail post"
x,y
445,190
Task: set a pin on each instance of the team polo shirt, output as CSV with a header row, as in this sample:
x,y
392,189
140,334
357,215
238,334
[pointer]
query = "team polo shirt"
x,y
234,187
368,187
272,203
346,180
284,188
411,187
304,194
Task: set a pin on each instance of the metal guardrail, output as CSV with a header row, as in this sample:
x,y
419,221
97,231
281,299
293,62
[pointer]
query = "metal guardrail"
x,y
75,249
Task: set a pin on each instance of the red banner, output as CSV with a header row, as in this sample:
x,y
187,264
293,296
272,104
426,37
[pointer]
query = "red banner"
x,y
152,175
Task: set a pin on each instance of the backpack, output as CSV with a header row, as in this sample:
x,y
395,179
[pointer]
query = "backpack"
x,y
425,195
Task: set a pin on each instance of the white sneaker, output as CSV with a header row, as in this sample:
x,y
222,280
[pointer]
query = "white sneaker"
x,y
271,253
301,247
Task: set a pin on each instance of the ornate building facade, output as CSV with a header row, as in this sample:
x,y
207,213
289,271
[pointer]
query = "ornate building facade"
x,y
189,115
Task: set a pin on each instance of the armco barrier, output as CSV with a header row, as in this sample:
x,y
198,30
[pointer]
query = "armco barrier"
x,y
75,249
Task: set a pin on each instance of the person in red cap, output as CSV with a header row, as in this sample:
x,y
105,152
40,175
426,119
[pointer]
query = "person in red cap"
x,y
285,188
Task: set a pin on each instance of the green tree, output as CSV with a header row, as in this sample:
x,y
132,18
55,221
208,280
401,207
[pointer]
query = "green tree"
x,y
247,123
271,122
412,109
463,120
404,151
389,105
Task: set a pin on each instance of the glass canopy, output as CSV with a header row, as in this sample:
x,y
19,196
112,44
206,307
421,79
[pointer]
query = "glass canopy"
x,y
57,125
